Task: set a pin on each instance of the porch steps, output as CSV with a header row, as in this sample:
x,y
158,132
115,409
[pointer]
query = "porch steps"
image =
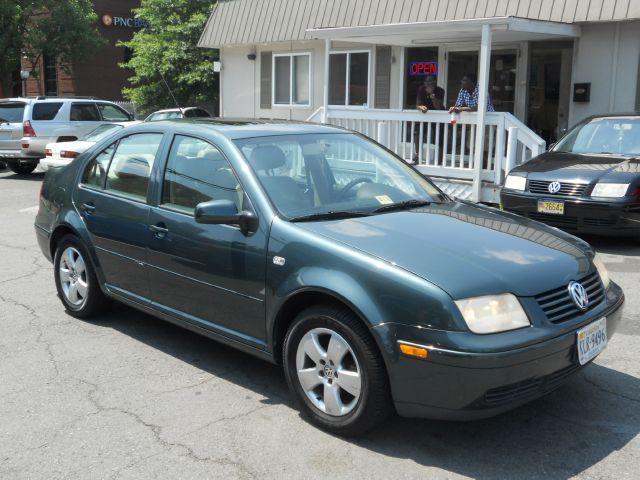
x,y
463,189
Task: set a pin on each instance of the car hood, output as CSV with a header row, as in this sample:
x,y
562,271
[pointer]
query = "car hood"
x,y
466,250
583,168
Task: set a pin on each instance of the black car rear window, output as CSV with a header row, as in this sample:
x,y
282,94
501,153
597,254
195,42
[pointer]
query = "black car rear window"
x,y
46,110
11,112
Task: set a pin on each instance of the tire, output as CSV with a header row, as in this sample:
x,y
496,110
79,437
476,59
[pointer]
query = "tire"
x,y
349,410
22,168
72,262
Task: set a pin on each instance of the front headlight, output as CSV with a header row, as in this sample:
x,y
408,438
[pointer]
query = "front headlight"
x,y
493,313
602,271
610,190
515,182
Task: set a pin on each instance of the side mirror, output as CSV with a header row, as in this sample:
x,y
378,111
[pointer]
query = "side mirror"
x,y
225,212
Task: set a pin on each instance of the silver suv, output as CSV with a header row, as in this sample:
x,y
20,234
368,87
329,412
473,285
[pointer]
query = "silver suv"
x,y
28,124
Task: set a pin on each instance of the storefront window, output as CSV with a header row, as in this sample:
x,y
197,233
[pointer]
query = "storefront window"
x,y
349,78
291,78
419,63
502,76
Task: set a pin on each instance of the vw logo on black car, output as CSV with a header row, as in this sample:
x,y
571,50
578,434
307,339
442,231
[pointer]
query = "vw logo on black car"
x,y
554,187
579,295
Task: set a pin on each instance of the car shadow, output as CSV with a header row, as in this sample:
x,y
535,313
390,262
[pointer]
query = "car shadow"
x,y
558,436
31,177
614,245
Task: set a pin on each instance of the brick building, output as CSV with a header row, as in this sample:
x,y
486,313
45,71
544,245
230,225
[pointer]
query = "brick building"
x,y
100,75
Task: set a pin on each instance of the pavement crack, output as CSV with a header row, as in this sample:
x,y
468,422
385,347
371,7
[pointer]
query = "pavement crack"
x,y
611,392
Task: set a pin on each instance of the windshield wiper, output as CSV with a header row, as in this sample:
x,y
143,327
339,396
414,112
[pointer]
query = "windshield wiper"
x,y
402,205
331,215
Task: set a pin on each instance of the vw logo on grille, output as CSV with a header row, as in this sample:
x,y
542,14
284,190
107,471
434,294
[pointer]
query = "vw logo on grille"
x,y
579,295
554,187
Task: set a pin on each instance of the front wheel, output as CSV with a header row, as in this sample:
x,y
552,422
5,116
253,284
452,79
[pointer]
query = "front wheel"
x,y
22,168
76,280
335,371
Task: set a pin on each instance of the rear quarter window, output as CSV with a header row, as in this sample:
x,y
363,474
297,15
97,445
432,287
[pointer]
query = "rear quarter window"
x,y
11,112
46,111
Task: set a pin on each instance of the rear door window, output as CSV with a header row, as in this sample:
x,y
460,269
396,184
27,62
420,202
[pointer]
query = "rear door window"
x,y
45,110
112,113
95,172
131,165
84,112
11,112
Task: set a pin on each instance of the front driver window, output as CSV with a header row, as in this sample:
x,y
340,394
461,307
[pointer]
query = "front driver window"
x,y
132,163
198,172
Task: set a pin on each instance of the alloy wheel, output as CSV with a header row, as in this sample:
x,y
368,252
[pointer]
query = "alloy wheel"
x,y
73,277
328,371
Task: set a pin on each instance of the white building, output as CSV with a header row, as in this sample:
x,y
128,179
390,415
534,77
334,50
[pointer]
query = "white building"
x,y
358,63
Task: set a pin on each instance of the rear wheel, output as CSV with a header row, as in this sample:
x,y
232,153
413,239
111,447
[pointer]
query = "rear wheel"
x,y
335,371
22,168
76,280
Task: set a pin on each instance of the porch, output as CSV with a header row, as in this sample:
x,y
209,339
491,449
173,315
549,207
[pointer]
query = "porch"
x,y
470,157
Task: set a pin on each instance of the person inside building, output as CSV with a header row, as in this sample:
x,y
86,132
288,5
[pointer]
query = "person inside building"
x,y
467,100
430,97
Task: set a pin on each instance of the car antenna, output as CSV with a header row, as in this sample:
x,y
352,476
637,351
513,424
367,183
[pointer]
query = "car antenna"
x,y
170,92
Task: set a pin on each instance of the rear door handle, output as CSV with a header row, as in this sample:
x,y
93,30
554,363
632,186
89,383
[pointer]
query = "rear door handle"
x,y
159,230
88,207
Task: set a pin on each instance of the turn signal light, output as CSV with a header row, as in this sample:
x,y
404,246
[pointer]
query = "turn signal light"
x,y
413,351
68,154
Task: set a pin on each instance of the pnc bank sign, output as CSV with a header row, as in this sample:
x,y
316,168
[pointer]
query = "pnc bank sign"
x,y
127,22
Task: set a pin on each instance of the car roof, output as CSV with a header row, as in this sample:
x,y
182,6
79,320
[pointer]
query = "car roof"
x,y
237,128
614,114
166,110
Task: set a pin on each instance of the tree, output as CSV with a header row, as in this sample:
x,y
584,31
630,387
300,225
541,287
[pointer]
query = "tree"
x,y
14,16
167,48
63,30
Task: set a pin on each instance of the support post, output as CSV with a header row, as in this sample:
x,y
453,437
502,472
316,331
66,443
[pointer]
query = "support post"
x,y
483,92
512,145
325,91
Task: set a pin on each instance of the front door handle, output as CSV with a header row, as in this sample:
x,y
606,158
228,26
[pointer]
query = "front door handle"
x,y
88,207
159,230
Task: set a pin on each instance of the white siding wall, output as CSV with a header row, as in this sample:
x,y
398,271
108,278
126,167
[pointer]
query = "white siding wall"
x,y
238,93
613,88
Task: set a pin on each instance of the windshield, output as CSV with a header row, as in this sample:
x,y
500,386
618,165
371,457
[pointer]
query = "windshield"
x,y
103,131
11,112
321,174
608,135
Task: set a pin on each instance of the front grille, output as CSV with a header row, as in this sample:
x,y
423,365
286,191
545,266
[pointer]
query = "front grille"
x,y
568,189
558,305
599,222
529,388
560,221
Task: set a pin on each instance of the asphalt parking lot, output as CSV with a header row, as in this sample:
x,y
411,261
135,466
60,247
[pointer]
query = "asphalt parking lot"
x,y
129,396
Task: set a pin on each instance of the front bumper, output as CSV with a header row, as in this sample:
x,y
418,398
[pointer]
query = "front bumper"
x,y
619,217
455,384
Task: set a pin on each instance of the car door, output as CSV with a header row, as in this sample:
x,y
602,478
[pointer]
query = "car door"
x,y
112,200
214,275
83,118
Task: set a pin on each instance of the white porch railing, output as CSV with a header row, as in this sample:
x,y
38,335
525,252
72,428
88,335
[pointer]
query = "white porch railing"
x,y
442,149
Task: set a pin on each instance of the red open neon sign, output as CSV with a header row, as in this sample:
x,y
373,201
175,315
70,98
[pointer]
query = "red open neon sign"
x,y
423,68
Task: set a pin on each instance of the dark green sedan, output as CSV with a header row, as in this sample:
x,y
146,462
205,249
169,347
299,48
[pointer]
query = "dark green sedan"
x,y
316,248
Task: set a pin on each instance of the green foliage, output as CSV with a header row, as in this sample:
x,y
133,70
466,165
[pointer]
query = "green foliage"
x,y
169,47
62,29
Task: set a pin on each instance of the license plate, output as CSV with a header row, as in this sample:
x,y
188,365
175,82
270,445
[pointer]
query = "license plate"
x,y
548,206
591,340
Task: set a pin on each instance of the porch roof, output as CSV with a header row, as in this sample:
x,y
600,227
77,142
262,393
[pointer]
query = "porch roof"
x,y
504,29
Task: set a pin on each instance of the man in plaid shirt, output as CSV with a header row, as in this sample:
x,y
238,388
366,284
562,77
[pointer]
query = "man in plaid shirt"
x,y
467,100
